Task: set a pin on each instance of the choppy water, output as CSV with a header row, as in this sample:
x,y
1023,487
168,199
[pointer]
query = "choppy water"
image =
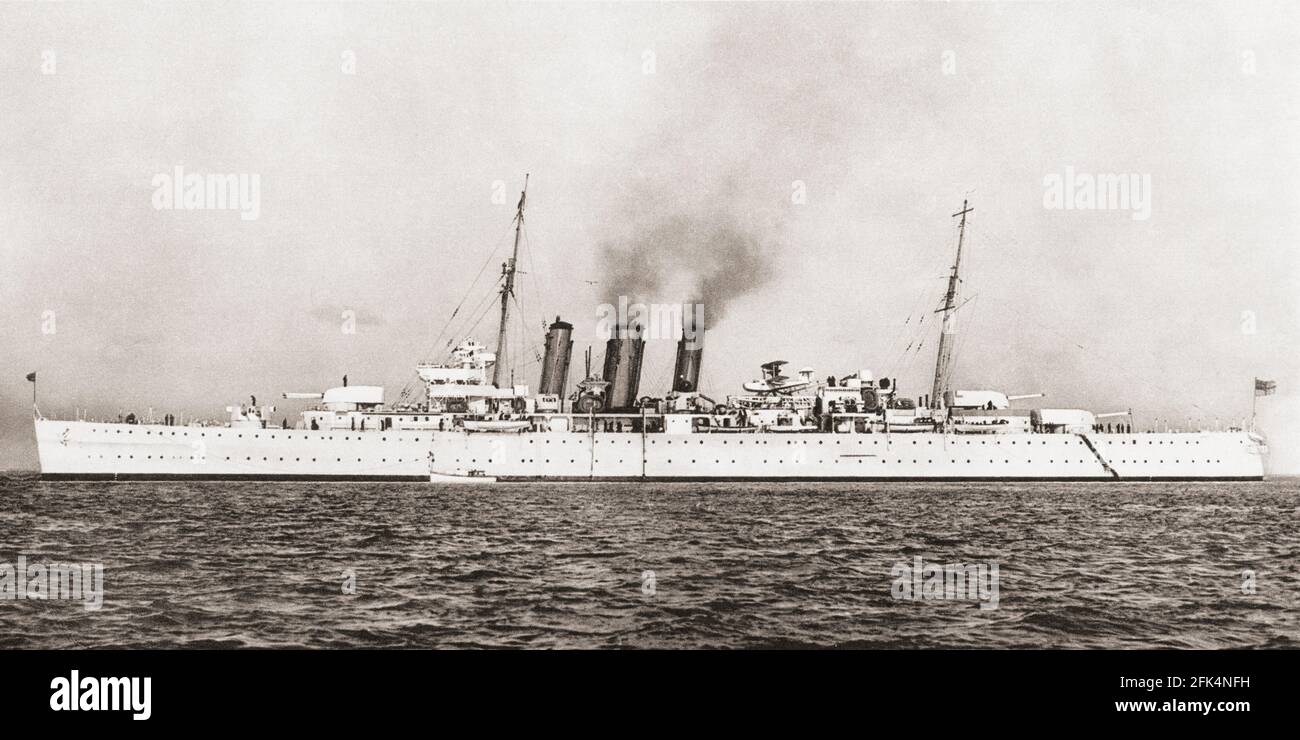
x,y
779,565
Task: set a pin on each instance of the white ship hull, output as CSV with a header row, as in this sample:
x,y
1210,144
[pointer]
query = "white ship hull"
x,y
850,457
91,450
94,450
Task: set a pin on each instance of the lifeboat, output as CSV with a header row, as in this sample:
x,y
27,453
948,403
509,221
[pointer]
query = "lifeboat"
x,y
472,476
496,425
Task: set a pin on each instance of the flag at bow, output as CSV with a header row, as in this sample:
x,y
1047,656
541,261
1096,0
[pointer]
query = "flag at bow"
x,y
1265,387
31,377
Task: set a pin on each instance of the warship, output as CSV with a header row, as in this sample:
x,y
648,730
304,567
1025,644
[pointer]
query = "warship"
x,y
476,425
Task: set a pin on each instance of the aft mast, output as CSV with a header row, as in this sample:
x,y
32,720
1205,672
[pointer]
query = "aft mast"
x,y
508,292
944,359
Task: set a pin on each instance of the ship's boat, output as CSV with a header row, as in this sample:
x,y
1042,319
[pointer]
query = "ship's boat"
x,y
910,427
997,420
473,476
496,425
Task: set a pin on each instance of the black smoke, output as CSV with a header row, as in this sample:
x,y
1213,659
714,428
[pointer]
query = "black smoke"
x,y
687,259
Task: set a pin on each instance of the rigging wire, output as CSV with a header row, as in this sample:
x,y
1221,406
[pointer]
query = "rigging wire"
x,y
962,336
915,340
517,351
1026,315
532,271
485,303
903,328
480,310
492,253
430,353
914,335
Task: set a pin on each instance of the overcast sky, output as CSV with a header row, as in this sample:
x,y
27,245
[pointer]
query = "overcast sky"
x,y
833,143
